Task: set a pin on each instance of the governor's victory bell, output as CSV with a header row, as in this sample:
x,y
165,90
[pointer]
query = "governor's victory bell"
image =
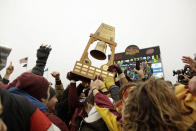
x,y
105,35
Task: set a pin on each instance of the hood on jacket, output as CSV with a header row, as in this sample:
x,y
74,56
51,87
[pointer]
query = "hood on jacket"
x,y
34,85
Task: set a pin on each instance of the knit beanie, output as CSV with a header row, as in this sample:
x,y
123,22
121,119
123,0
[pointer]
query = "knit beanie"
x,y
34,85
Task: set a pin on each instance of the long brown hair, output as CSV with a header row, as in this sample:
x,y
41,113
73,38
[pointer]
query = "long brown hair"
x,y
152,106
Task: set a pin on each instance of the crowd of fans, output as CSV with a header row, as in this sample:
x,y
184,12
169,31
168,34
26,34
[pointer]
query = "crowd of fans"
x,y
113,104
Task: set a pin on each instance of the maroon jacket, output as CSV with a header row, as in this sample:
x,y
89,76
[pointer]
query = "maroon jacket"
x,y
57,121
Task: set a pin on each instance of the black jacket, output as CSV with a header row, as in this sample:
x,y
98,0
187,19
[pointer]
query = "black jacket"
x,y
17,111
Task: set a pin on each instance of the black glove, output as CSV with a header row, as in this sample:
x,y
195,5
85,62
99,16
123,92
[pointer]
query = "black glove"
x,y
42,56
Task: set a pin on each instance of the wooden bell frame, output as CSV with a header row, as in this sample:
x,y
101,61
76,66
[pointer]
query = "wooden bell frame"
x,y
84,68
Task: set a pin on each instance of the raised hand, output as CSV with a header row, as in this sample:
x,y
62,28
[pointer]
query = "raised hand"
x,y
140,73
95,84
10,69
99,78
115,69
42,56
189,61
56,75
44,51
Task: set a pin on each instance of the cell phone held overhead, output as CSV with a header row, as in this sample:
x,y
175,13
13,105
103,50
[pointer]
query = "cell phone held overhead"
x,y
137,67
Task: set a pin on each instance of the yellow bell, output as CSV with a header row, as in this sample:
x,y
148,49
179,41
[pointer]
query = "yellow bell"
x,y
99,51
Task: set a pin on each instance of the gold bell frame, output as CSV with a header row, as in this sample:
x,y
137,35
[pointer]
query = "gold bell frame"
x,y
104,33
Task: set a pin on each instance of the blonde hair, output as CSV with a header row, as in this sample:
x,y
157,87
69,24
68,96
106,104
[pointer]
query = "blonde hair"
x,y
152,106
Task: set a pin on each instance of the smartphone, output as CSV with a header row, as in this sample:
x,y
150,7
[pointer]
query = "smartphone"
x,y
137,65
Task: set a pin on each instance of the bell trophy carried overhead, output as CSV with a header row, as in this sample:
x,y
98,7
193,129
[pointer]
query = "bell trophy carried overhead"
x,y
105,36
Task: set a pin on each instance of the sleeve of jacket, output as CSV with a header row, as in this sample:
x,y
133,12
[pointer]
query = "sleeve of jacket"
x,y
39,121
80,88
187,101
66,107
59,89
57,121
42,56
183,94
61,109
73,97
107,111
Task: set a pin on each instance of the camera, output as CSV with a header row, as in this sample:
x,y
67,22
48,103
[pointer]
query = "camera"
x,y
184,74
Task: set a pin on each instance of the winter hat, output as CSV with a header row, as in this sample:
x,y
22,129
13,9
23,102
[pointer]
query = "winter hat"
x,y
52,92
34,85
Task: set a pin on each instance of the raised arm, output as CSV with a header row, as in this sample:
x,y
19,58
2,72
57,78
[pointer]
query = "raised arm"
x,y
42,56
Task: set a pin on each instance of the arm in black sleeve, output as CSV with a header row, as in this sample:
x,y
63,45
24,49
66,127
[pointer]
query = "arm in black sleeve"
x,y
42,56
61,109
66,107
80,88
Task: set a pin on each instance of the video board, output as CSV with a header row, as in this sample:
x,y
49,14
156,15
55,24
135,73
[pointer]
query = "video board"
x,y
149,59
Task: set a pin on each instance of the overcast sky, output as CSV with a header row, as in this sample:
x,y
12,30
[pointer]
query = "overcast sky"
x,y
67,24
